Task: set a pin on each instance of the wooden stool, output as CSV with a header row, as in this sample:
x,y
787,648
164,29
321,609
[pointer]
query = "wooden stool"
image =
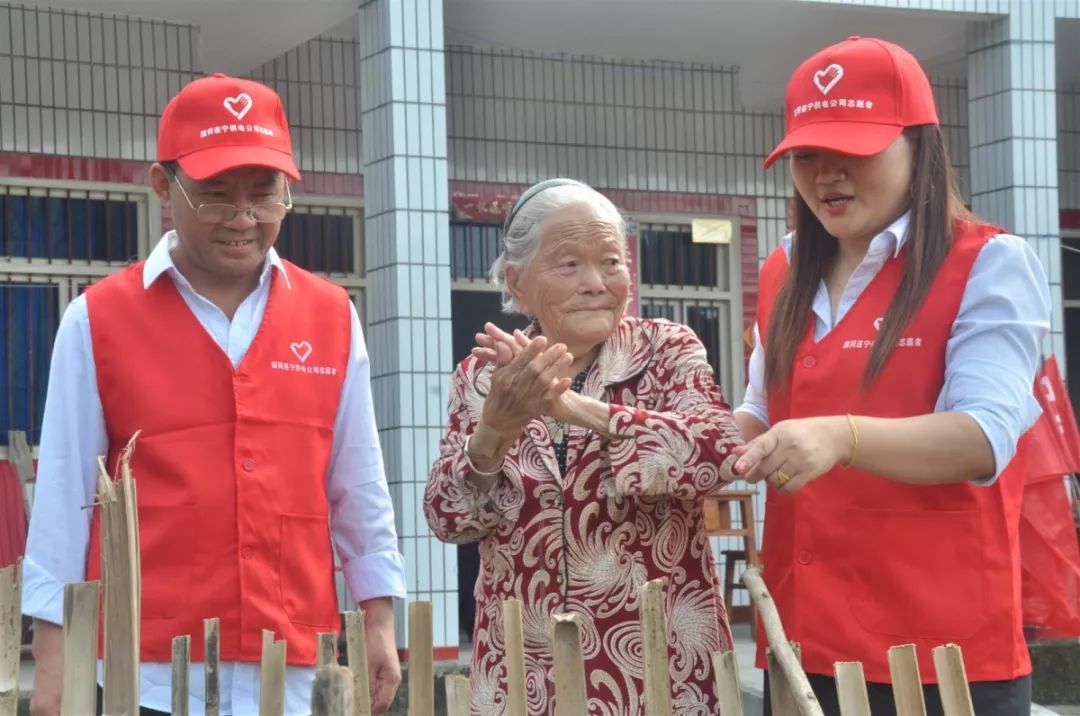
x,y
718,523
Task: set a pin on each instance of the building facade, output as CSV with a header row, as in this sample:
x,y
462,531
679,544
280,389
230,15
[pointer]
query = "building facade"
x,y
417,122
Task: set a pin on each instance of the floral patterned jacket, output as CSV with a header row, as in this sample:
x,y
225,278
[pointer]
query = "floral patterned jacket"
x,y
626,511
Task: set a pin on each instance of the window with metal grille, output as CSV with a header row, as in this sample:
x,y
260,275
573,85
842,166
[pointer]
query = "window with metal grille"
x,y
325,235
657,310
322,240
30,313
694,284
670,257
473,248
54,242
68,226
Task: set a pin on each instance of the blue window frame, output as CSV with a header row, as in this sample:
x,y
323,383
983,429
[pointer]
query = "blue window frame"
x,y
68,228
30,314
57,228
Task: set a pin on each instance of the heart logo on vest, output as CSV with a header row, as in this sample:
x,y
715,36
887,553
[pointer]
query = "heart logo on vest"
x,y
301,350
239,105
827,78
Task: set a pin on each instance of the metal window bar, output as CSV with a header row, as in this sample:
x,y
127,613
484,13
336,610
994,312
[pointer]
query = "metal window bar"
x,y
30,309
518,116
670,258
324,239
317,83
54,241
1070,268
692,284
473,248
87,84
46,224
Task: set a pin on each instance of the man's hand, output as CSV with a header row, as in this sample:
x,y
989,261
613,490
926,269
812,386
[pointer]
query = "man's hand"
x,y
384,669
48,650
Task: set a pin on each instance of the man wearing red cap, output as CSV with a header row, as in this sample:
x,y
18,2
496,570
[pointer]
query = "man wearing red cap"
x,y
247,380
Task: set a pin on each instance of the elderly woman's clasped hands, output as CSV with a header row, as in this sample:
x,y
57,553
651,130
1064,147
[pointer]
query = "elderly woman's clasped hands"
x,y
529,379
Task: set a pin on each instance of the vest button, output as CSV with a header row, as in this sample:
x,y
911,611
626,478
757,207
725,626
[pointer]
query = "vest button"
x,y
248,465
809,362
805,557
247,553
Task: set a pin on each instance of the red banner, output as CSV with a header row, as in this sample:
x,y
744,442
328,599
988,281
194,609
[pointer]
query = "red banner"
x,y
484,208
1053,397
1049,555
1046,457
1049,561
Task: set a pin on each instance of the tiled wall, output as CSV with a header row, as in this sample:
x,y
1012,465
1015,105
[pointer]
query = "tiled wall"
x,y
1014,137
952,104
407,235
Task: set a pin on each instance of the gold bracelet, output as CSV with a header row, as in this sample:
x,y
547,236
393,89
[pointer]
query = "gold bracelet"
x,y
854,443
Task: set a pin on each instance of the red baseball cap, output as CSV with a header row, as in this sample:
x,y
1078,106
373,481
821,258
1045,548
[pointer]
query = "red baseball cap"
x,y
855,97
219,123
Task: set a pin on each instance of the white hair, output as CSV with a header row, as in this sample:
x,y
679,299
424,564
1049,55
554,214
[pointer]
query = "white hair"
x,y
522,237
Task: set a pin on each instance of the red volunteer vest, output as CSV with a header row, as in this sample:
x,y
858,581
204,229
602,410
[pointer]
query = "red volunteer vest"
x,y
857,563
230,464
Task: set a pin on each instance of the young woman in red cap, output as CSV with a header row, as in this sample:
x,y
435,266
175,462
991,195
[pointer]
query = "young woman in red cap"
x,y
889,391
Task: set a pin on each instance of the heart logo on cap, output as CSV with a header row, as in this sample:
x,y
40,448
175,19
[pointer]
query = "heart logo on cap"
x,y
239,105
827,78
301,350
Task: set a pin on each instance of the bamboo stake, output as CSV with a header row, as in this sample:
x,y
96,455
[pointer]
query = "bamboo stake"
x,y
728,686
952,681
22,456
785,657
780,692
514,659
457,695
332,691
181,674
421,660
654,648
80,629
569,665
327,649
851,688
10,637
356,652
906,684
272,676
120,573
212,665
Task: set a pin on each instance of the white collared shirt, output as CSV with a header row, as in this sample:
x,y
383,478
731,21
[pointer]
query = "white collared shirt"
x,y
993,351
73,435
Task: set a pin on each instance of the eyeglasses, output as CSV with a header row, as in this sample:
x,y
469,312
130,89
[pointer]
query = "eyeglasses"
x,y
263,212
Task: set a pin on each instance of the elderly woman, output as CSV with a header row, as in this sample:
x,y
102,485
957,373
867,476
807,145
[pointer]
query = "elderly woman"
x,y
576,454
